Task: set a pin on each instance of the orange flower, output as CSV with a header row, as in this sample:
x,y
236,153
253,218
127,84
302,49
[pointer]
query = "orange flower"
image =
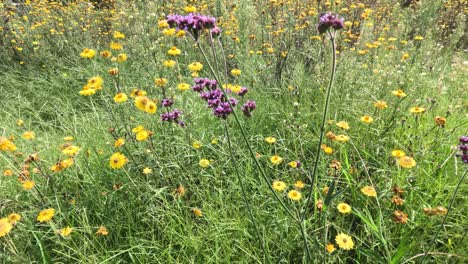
x,y
397,200
400,217
440,121
102,231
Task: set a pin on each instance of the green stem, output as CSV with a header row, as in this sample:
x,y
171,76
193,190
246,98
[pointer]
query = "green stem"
x,y
244,194
241,128
112,114
306,243
325,237
445,217
322,128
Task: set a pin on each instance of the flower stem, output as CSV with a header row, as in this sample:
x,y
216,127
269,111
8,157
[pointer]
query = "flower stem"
x,y
244,194
445,217
306,243
241,128
322,128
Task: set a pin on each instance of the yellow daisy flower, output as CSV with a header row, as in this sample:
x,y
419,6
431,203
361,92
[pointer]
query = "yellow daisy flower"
x,y
14,218
29,135
406,162
117,160
28,185
120,98
417,110
6,144
66,231
344,241
71,150
196,144
5,227
380,105
399,93
183,86
236,72
299,185
46,215
344,208
369,191
367,119
119,142
276,159
279,186
398,153
330,248
204,163
195,66
270,140
294,195
343,125
197,212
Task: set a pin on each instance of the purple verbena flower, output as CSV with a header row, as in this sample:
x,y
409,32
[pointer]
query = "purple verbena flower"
x,y
222,110
329,20
172,116
215,32
464,139
243,91
216,100
248,107
204,83
167,102
298,164
191,23
463,149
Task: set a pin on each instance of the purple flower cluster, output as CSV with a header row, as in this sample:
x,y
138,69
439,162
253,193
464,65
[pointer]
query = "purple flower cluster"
x,y
209,91
215,32
248,107
463,147
217,101
242,91
172,116
329,20
224,109
202,83
167,102
192,23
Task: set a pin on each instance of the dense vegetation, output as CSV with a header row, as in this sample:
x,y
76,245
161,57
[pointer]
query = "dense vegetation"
x,y
233,131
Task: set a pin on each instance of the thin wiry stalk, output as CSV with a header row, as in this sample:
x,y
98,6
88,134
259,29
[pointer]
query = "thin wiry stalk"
x,y
306,243
215,56
244,194
241,128
445,217
224,58
387,251
262,172
296,219
322,127
325,237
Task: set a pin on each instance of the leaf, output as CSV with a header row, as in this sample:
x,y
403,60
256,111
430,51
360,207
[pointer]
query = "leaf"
x,y
331,196
402,249
369,222
330,192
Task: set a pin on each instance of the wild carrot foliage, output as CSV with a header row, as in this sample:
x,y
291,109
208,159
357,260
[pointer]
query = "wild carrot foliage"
x,y
233,131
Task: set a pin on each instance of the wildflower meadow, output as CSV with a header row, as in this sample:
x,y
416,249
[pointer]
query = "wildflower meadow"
x,y
242,131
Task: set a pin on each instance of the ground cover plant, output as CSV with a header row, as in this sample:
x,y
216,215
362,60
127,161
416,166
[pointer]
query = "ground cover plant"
x,y
189,131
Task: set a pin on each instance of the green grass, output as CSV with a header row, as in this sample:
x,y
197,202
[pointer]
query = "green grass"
x,y
149,223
